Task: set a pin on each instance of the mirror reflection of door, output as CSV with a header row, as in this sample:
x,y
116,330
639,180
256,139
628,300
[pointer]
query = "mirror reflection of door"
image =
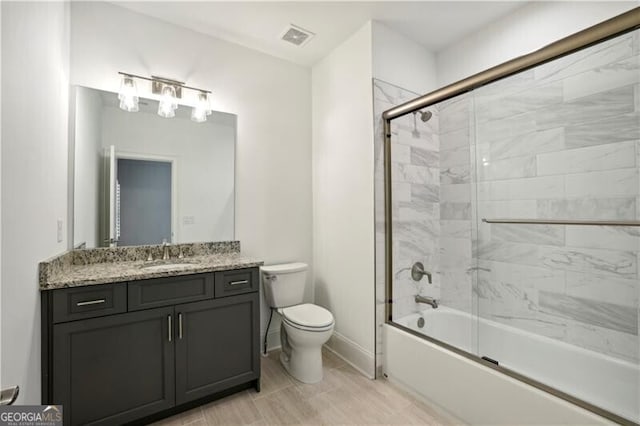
x,y
144,201
108,232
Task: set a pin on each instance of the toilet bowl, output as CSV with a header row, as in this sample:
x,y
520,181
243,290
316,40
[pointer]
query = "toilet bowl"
x,y
305,326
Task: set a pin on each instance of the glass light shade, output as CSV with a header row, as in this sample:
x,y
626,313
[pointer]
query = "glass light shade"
x,y
202,109
168,102
129,104
128,94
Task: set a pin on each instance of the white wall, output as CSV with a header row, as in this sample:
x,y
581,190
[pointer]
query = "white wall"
x,y
88,137
35,89
343,195
401,61
526,30
270,96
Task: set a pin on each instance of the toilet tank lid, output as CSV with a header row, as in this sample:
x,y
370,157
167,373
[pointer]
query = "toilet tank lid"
x,y
285,268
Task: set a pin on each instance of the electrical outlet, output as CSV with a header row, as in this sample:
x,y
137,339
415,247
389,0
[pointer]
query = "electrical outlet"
x,y
59,230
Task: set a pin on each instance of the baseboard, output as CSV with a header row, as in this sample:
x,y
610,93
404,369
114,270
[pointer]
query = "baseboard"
x,y
352,353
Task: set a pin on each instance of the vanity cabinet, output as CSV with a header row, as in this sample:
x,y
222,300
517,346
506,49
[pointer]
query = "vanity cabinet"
x,y
214,333
112,365
113,369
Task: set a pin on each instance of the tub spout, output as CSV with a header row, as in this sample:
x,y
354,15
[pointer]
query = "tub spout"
x,y
428,300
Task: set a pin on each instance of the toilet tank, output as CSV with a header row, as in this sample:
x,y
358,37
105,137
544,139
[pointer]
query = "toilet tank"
x,y
284,284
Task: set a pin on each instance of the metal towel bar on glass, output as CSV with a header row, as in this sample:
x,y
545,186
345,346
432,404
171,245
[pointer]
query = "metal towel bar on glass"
x,y
566,222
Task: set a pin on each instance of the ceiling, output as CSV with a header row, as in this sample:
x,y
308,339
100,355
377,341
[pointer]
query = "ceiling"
x,y
259,25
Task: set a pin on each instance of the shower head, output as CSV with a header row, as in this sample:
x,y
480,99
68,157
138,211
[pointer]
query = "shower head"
x,y
425,116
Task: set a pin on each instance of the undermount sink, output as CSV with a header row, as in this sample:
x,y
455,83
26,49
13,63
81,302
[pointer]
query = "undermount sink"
x,y
167,266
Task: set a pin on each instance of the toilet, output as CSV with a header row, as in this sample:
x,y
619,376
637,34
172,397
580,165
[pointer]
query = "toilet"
x,y
305,326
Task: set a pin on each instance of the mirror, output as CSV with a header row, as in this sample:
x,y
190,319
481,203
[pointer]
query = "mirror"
x,y
143,179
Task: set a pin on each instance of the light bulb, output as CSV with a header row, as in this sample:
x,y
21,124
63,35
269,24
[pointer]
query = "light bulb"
x,y
202,109
128,94
168,102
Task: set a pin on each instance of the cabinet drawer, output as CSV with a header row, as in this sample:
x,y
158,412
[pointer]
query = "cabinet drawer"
x,y
158,292
89,302
239,281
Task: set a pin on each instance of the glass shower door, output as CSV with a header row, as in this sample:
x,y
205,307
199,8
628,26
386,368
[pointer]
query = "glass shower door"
x,y
433,182
558,302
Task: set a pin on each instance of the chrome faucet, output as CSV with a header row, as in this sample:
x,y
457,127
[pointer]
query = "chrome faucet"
x,y
428,300
165,250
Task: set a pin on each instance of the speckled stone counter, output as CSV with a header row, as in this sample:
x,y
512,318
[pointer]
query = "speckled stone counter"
x,y
77,268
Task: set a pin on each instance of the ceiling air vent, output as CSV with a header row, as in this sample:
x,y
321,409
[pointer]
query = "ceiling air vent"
x,y
296,35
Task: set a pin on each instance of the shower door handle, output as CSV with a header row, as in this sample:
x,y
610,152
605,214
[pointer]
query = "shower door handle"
x,y
417,272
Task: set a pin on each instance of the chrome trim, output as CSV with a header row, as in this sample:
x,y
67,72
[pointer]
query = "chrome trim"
x,y
154,79
566,222
180,326
239,282
388,223
91,302
170,327
610,28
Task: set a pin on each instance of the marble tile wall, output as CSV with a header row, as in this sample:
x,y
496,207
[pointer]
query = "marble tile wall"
x,y
562,141
457,203
416,204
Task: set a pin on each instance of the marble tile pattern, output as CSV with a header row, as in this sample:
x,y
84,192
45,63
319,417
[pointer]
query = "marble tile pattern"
x,y
457,178
344,397
105,265
561,141
416,203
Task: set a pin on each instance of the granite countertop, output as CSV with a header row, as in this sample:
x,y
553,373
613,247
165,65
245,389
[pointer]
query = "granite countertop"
x,y
110,269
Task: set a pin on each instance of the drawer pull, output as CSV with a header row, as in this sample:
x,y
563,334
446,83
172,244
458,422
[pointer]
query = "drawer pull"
x,y
91,302
180,326
170,326
239,282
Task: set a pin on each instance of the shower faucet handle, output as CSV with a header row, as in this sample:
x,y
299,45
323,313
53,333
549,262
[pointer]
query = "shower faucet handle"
x,y
417,272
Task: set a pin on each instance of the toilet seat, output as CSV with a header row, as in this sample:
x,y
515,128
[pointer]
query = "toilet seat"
x,y
308,317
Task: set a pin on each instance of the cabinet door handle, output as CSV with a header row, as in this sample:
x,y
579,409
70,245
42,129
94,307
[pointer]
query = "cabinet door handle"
x,y
239,282
91,302
180,326
170,327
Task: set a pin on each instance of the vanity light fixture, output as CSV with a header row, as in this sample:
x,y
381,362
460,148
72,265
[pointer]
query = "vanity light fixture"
x,y
169,90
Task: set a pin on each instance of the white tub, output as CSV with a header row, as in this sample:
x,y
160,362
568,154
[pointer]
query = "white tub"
x,y
604,381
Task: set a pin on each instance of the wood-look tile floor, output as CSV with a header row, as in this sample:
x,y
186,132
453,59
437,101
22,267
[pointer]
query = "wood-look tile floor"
x,y
344,397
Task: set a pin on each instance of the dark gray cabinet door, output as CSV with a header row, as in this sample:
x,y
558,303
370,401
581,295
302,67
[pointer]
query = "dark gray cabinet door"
x,y
217,345
114,369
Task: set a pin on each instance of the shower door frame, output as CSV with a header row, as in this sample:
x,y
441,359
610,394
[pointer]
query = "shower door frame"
x,y
598,33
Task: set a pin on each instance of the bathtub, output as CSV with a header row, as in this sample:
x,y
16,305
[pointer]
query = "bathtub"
x,y
596,378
